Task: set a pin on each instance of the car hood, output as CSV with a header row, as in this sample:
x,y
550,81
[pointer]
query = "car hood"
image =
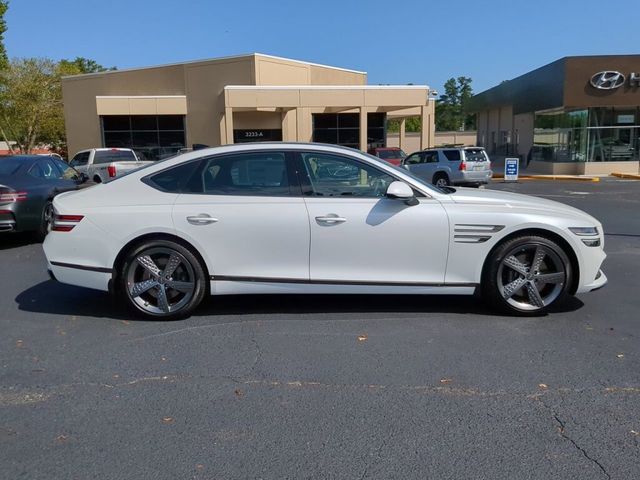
x,y
476,196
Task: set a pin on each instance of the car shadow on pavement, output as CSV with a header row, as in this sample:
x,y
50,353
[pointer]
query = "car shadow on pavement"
x,y
55,298
16,240
284,304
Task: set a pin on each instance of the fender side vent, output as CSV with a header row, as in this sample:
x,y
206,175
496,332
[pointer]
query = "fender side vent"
x,y
471,238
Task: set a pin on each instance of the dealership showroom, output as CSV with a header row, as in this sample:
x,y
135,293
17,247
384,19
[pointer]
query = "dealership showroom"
x,y
577,115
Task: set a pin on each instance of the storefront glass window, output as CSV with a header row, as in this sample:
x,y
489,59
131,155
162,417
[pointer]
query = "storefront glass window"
x,y
592,135
344,129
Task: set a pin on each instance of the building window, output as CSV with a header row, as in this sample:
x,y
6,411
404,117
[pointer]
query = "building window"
x,y
153,137
344,129
598,134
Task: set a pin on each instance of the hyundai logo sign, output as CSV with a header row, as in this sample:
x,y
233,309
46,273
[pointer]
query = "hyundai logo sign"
x,y
607,80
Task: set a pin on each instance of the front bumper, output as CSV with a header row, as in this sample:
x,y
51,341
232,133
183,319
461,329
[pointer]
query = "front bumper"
x,y
599,282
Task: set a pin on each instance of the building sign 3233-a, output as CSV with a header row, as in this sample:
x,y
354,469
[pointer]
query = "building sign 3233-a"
x,y
611,79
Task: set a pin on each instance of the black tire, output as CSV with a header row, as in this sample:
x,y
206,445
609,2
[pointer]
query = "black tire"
x,y
97,179
45,221
176,303
441,180
507,284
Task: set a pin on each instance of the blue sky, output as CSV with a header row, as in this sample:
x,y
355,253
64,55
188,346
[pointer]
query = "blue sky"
x,y
421,42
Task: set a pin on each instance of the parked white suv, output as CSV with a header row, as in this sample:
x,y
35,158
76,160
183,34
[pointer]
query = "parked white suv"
x,y
103,164
451,166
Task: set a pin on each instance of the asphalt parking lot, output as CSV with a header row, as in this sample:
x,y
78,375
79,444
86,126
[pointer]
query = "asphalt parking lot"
x,y
326,387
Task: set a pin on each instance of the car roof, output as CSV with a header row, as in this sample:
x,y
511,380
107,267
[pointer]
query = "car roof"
x,y
455,148
103,149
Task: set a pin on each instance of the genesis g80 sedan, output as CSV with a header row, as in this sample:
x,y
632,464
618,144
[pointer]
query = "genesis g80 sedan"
x,y
274,218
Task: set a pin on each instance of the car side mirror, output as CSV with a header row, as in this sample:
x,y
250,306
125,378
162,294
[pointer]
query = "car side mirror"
x,y
84,178
401,191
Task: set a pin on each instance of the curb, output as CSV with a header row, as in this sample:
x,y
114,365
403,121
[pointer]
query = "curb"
x,y
577,178
626,175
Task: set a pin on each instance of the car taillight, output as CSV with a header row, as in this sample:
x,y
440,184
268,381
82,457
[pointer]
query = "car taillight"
x,y
111,170
462,167
10,196
65,223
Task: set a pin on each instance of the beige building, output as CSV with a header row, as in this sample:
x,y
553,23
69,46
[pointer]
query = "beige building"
x,y
440,139
256,97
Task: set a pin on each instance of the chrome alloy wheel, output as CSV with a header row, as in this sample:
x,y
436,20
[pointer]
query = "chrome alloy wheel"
x,y
47,218
160,281
531,277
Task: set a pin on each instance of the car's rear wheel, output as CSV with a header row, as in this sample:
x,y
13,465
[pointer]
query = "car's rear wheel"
x,y
46,221
441,180
162,279
526,275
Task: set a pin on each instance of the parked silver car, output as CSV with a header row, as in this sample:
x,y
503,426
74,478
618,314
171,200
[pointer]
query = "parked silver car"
x,y
451,166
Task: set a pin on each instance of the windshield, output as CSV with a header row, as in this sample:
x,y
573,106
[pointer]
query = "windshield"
x,y
475,155
9,165
387,154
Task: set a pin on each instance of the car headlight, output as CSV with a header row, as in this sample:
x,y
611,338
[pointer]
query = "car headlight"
x,y
585,231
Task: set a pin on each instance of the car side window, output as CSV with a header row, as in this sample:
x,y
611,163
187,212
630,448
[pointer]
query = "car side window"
x,y
413,159
330,175
67,172
431,157
80,159
452,155
250,174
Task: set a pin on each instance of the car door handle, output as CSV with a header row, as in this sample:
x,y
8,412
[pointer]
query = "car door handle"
x,y
202,219
331,219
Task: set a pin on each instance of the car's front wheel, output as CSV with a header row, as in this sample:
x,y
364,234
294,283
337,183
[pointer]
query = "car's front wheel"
x,y
162,279
526,275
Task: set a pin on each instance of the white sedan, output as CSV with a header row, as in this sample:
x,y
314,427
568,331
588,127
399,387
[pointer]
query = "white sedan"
x,y
274,218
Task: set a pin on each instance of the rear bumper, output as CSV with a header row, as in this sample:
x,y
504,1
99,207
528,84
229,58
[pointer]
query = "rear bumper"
x,y
80,275
471,177
7,221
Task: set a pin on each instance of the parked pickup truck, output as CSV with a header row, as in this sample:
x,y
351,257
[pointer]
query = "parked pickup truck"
x,y
103,164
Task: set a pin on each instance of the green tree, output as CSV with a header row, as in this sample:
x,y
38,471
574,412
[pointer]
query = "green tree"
x,y
81,65
4,61
31,101
451,107
413,124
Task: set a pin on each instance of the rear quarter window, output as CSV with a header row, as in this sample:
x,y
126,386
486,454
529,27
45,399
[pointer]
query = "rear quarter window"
x,y
452,155
174,179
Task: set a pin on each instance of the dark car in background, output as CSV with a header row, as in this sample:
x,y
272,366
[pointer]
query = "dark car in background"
x,y
28,184
392,155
